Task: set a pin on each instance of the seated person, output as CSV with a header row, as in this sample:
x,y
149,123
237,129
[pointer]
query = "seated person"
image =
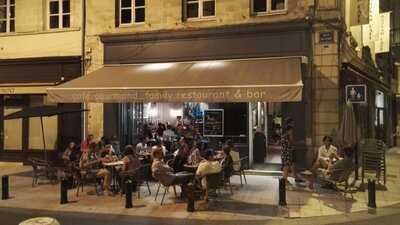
x,y
142,145
68,155
181,156
164,173
234,154
168,134
335,171
327,154
160,144
207,166
108,153
227,162
195,156
89,163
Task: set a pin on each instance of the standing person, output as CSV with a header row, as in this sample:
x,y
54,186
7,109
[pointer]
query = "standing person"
x,y
116,145
147,131
287,151
260,146
142,144
131,160
160,130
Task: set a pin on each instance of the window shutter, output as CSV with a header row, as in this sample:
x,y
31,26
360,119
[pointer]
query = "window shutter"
x,y
117,12
184,10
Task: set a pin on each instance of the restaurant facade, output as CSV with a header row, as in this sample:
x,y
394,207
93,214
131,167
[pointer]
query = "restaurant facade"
x,y
151,61
286,62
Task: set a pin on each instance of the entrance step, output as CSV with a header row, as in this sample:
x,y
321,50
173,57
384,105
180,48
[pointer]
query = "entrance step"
x,y
272,173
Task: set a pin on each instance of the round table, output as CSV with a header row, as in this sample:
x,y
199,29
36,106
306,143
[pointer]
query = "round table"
x,y
40,221
190,168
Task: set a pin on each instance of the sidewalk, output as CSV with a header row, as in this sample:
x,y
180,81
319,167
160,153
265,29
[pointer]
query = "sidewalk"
x,y
256,201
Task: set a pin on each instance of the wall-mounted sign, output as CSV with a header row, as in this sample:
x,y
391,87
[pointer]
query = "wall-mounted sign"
x,y
356,93
326,37
213,123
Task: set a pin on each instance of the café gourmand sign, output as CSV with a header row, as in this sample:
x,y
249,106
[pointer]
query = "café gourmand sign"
x,y
242,94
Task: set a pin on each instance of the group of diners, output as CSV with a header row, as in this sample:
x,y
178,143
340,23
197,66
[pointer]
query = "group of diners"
x,y
188,161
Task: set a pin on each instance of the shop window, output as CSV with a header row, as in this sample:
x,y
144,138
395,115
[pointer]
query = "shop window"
x,y
50,125
59,14
199,9
7,16
132,11
13,128
268,6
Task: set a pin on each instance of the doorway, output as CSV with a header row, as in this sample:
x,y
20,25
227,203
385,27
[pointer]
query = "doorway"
x,y
267,117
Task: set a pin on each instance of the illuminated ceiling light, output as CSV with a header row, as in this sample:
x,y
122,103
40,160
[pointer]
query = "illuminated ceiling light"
x,y
175,112
157,66
210,64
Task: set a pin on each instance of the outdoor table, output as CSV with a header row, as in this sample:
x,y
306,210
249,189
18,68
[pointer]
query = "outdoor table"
x,y
40,221
114,178
190,167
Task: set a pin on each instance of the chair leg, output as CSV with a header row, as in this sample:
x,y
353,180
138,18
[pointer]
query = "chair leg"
x,y
241,182
158,189
230,185
165,192
33,181
148,187
174,191
138,191
77,188
244,176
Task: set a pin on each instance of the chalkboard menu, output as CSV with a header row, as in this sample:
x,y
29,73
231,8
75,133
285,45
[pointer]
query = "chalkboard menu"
x,y
213,123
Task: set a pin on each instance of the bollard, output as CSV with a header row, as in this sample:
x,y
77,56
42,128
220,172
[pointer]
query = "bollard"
x,y
371,194
128,194
282,192
190,195
4,181
64,191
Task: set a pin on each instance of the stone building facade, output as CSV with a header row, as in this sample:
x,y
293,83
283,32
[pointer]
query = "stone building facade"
x,y
40,46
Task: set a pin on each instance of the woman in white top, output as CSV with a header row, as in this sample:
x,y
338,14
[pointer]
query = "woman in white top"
x,y
327,155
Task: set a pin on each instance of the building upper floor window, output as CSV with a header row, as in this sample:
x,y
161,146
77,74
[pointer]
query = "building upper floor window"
x,y
7,16
59,14
199,9
132,11
268,6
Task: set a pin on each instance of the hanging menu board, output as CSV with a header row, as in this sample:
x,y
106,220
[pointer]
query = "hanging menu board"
x,y
213,123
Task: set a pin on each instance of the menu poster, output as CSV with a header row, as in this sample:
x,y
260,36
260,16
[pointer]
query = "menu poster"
x,y
213,123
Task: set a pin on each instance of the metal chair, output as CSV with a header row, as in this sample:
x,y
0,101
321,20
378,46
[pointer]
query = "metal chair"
x,y
166,184
239,168
87,177
341,184
373,158
214,182
42,168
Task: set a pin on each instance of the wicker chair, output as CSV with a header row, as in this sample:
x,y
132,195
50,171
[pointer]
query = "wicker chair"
x,y
239,167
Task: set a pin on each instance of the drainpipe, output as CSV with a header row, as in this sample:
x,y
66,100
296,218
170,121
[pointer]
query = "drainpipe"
x,y
83,67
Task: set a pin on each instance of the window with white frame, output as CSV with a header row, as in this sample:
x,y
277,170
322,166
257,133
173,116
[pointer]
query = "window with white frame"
x,y
268,6
59,14
200,8
132,11
7,16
